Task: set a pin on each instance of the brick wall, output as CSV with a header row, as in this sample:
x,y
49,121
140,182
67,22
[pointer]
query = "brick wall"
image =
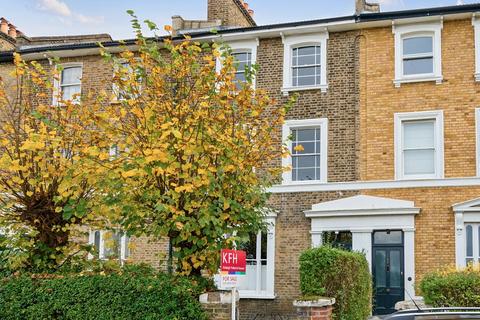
x,y
434,226
457,96
339,104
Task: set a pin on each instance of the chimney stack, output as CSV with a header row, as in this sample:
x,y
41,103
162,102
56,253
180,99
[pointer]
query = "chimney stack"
x,y
3,25
12,31
362,6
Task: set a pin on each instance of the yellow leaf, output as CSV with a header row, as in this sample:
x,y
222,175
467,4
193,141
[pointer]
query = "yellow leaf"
x,y
299,148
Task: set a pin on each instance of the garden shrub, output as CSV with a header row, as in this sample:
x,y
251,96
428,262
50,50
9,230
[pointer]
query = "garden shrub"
x,y
131,294
452,288
339,274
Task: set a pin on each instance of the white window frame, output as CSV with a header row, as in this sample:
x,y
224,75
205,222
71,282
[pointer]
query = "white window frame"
x,y
296,41
287,162
399,118
242,46
401,32
57,85
477,138
476,27
269,293
101,249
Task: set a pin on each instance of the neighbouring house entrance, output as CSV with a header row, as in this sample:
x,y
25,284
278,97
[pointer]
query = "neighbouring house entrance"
x,y
384,230
388,270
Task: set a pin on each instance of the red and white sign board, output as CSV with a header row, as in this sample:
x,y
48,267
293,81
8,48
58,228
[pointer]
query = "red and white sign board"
x,y
233,262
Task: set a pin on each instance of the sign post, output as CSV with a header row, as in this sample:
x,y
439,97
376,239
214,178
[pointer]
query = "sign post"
x,y
233,264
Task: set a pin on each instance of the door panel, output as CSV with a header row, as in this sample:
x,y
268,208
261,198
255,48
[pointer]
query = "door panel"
x,y
388,278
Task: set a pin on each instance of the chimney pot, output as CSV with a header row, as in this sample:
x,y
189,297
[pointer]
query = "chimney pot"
x,y
362,6
12,31
3,25
245,5
251,12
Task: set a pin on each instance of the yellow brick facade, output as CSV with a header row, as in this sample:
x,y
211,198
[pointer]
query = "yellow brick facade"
x,y
457,96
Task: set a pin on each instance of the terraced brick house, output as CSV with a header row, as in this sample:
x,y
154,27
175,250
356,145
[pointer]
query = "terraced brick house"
x,y
387,113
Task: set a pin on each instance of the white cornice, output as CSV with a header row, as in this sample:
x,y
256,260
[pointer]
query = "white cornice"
x,y
372,185
359,213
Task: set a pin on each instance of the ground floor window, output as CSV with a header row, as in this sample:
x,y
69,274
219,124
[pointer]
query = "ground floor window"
x,y
258,283
110,244
338,239
472,243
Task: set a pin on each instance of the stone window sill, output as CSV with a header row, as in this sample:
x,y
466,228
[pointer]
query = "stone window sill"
x,y
429,78
286,90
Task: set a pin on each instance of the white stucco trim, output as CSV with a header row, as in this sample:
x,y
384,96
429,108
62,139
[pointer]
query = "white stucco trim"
x,y
465,212
250,45
293,41
362,215
433,29
321,123
315,186
476,27
477,137
58,80
399,118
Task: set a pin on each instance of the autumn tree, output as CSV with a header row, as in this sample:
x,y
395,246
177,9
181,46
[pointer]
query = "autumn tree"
x,y
193,147
44,191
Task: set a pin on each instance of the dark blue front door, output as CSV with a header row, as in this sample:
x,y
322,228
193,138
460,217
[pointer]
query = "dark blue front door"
x,y
388,273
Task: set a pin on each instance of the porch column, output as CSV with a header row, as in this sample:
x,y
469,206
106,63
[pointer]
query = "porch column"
x,y
409,253
460,240
316,238
362,242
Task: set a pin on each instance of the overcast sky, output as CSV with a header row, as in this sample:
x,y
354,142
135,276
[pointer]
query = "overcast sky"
x,y
61,17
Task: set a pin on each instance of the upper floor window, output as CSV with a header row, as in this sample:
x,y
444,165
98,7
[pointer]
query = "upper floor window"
x,y
476,26
306,66
419,145
243,63
70,84
245,56
307,142
418,55
305,62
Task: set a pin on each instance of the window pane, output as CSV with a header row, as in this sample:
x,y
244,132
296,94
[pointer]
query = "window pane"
x,y
302,51
304,162
419,162
240,77
469,231
307,81
387,237
305,174
342,239
305,60
306,71
380,269
308,147
417,66
250,247
69,91
304,134
71,75
418,45
395,265
96,242
263,247
418,134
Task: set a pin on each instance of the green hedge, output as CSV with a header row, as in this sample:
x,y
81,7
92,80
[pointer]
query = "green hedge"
x,y
131,294
339,274
454,288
